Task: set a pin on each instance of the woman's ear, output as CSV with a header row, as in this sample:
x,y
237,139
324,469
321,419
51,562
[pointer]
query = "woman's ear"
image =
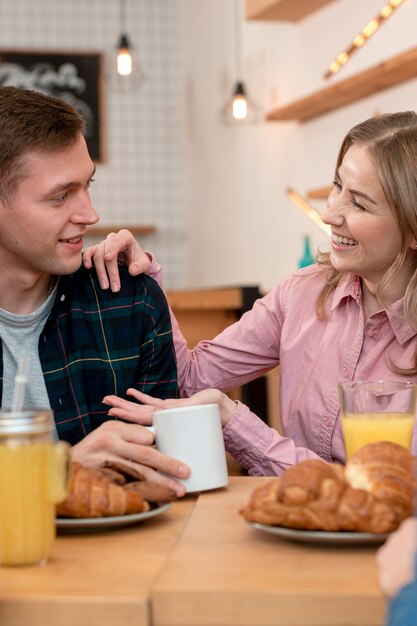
x,y
413,243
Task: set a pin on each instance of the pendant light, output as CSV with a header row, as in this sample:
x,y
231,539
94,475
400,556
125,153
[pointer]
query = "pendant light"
x,y
126,66
124,57
239,109
124,70
124,63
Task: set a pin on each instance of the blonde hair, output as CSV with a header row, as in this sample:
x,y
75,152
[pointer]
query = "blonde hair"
x,y
392,143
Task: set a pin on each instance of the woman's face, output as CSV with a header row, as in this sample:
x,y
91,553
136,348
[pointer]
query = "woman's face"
x,y
365,238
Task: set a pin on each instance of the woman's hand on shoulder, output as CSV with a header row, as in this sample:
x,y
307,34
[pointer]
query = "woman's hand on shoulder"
x,y
120,247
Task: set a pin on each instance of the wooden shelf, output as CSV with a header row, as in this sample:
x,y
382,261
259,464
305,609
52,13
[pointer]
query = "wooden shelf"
x,y
321,193
282,10
382,76
102,230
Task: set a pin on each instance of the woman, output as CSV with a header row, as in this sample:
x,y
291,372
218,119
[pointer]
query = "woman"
x,y
351,316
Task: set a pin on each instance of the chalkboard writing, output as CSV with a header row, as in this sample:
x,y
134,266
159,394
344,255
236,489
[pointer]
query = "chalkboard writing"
x,y
74,77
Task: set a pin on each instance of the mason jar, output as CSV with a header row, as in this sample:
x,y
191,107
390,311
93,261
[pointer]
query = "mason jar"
x,y
33,478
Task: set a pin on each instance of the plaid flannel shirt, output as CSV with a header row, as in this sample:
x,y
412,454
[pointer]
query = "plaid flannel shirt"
x,y
96,343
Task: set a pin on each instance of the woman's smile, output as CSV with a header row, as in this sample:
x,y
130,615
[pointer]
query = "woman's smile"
x,y
339,241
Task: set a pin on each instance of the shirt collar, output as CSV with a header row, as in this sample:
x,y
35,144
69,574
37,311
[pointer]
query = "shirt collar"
x,y
399,324
350,287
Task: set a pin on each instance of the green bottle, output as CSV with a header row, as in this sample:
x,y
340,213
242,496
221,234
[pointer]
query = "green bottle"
x,y
307,258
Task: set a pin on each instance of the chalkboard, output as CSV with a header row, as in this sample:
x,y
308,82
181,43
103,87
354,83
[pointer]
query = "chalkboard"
x,y
74,77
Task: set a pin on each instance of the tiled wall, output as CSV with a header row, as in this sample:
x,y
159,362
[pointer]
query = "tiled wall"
x,y
140,180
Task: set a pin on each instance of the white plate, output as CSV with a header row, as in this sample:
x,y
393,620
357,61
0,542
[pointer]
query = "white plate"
x,y
103,523
321,536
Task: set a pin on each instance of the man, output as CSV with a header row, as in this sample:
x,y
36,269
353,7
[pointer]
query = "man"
x,y
82,342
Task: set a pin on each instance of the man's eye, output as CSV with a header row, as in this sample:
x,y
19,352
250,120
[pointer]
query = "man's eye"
x,y
60,198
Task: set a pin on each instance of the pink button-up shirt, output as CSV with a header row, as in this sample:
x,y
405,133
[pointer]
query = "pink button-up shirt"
x,y
314,356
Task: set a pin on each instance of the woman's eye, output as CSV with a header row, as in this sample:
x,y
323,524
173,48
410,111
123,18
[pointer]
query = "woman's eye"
x,y
358,206
337,184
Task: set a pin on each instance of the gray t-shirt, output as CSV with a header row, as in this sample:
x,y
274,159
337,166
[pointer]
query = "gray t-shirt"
x,y
20,337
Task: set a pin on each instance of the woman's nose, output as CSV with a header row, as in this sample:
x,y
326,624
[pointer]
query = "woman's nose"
x,y
333,214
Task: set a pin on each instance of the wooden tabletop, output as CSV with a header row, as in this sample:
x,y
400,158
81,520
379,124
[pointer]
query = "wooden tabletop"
x,y
198,564
223,572
101,579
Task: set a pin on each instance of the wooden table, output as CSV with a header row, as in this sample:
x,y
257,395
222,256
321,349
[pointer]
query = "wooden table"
x,y
223,572
198,564
102,579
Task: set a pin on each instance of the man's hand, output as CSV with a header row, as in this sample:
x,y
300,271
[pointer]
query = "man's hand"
x,y
130,444
142,413
116,247
397,556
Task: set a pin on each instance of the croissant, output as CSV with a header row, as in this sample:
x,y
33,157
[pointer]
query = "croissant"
x,y
99,492
305,496
152,492
374,493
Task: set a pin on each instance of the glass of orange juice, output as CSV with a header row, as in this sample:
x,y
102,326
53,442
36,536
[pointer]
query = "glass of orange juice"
x,y
33,478
378,410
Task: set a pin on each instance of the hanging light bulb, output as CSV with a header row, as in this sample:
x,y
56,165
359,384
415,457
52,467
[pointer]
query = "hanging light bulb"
x,y
239,102
126,72
124,58
239,108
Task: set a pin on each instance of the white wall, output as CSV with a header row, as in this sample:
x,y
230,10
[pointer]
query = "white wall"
x,y
240,226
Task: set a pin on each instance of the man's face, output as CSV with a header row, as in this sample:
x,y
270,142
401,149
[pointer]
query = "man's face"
x,y
42,226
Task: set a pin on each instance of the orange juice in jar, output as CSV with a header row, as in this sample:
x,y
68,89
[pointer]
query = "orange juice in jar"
x,y
33,476
377,411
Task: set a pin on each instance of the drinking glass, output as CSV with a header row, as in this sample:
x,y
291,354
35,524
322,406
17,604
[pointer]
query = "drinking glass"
x,y
377,410
33,478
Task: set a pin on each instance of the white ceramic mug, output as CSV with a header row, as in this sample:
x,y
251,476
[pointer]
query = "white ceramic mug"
x,y
193,434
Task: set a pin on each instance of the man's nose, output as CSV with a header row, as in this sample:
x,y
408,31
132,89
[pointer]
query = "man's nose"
x,y
85,213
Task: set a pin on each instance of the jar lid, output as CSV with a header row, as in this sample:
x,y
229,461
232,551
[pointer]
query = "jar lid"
x,y
27,422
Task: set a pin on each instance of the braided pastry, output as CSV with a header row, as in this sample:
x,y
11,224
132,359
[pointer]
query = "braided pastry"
x,y
374,493
99,492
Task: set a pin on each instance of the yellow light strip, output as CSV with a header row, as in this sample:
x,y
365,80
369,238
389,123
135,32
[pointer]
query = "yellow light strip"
x,y
368,30
307,209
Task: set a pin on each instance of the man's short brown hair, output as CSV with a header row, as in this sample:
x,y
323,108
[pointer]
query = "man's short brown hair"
x,y
32,121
